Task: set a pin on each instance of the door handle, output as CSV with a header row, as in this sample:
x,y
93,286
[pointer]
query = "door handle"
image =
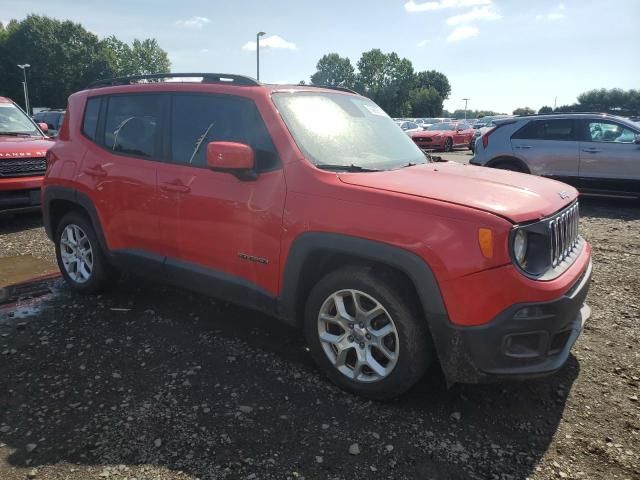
x,y
175,187
590,150
96,171
525,147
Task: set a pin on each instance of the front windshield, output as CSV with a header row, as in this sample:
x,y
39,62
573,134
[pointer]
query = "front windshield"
x,y
15,121
337,129
441,126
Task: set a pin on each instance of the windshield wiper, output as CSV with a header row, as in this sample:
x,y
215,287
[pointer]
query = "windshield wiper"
x,y
346,168
16,134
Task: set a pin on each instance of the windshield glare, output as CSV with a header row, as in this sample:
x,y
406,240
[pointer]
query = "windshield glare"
x,y
338,129
13,120
441,126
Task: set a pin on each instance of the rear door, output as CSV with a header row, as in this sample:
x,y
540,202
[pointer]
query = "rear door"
x,y
549,147
119,169
609,156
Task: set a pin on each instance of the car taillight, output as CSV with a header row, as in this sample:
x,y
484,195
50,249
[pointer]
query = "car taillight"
x,y
485,136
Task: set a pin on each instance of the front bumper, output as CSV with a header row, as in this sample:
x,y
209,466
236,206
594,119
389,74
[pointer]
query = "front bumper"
x,y
524,340
20,194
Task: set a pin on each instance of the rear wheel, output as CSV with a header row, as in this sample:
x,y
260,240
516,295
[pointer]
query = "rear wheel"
x,y
364,335
448,145
80,258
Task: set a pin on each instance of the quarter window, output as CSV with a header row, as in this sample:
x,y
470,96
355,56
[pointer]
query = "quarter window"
x,y
90,120
547,130
197,120
132,124
609,132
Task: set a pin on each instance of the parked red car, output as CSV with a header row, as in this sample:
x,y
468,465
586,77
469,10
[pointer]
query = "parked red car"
x,y
311,205
23,147
444,136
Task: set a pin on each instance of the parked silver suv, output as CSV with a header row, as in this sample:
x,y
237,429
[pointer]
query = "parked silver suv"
x,y
597,153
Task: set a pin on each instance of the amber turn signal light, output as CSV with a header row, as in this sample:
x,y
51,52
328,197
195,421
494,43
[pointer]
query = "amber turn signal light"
x,y
485,240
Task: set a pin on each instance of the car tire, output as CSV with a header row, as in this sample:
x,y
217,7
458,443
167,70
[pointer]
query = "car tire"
x,y
397,346
448,145
510,165
80,258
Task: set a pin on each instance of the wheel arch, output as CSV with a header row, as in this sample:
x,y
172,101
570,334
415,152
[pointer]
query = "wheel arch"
x,y
314,254
58,200
508,159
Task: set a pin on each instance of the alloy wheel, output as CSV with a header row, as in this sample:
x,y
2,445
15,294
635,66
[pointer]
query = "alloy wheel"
x,y
358,336
76,253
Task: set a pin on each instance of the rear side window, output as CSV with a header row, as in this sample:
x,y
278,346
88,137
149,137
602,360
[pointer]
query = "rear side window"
x,y
132,125
90,120
547,130
197,120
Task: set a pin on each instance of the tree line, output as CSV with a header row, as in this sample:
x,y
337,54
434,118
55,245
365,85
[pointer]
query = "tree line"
x,y
388,80
616,101
64,57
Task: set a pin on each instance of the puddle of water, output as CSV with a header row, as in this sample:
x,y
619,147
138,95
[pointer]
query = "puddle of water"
x,y
23,267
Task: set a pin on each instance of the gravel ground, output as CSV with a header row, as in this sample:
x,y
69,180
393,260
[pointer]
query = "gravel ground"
x,y
152,382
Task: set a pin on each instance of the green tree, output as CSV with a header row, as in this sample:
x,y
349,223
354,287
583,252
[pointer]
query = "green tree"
x,y
334,71
436,80
545,109
387,79
425,102
524,111
65,57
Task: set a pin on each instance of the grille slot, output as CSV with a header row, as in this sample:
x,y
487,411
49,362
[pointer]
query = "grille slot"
x,y
23,167
563,229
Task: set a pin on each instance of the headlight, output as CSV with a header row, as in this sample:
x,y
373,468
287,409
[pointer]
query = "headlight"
x,y
520,248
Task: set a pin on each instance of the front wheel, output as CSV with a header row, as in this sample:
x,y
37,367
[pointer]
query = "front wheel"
x,y
80,258
366,337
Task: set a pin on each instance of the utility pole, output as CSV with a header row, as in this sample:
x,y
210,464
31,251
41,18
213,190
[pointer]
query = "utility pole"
x,y
465,107
27,107
258,35
555,103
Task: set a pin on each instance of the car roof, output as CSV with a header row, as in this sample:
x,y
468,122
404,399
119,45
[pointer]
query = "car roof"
x,y
5,100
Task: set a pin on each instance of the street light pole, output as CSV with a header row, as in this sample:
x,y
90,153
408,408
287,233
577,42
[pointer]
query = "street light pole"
x,y
26,88
258,35
465,107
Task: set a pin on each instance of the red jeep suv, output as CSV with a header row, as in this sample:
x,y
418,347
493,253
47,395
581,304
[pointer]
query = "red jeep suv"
x,y
23,147
309,204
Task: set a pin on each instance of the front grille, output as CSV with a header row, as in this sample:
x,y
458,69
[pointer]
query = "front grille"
x,y
23,167
563,229
421,139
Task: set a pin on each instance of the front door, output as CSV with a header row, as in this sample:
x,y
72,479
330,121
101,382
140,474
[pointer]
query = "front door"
x,y
214,224
609,157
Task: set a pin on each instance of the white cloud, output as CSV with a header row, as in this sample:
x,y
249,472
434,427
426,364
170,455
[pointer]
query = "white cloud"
x,y
193,23
412,7
204,50
487,12
462,33
556,13
422,43
274,41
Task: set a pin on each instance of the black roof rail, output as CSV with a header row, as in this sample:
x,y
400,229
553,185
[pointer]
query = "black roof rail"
x,y
330,87
567,113
240,80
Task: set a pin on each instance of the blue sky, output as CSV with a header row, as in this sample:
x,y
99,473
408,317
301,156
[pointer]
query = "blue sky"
x,y
501,54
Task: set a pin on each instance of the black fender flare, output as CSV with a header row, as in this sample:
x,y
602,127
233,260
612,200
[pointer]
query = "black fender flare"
x,y
57,192
310,243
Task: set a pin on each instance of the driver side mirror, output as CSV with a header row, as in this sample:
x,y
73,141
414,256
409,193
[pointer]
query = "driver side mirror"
x,y
638,138
43,126
232,157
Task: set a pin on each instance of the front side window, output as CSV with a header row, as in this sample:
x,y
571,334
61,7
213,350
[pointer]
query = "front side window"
x,y
14,121
333,129
547,130
132,125
197,120
599,131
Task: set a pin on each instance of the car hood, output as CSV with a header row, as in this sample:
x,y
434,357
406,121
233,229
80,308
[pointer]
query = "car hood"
x,y
517,197
24,147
